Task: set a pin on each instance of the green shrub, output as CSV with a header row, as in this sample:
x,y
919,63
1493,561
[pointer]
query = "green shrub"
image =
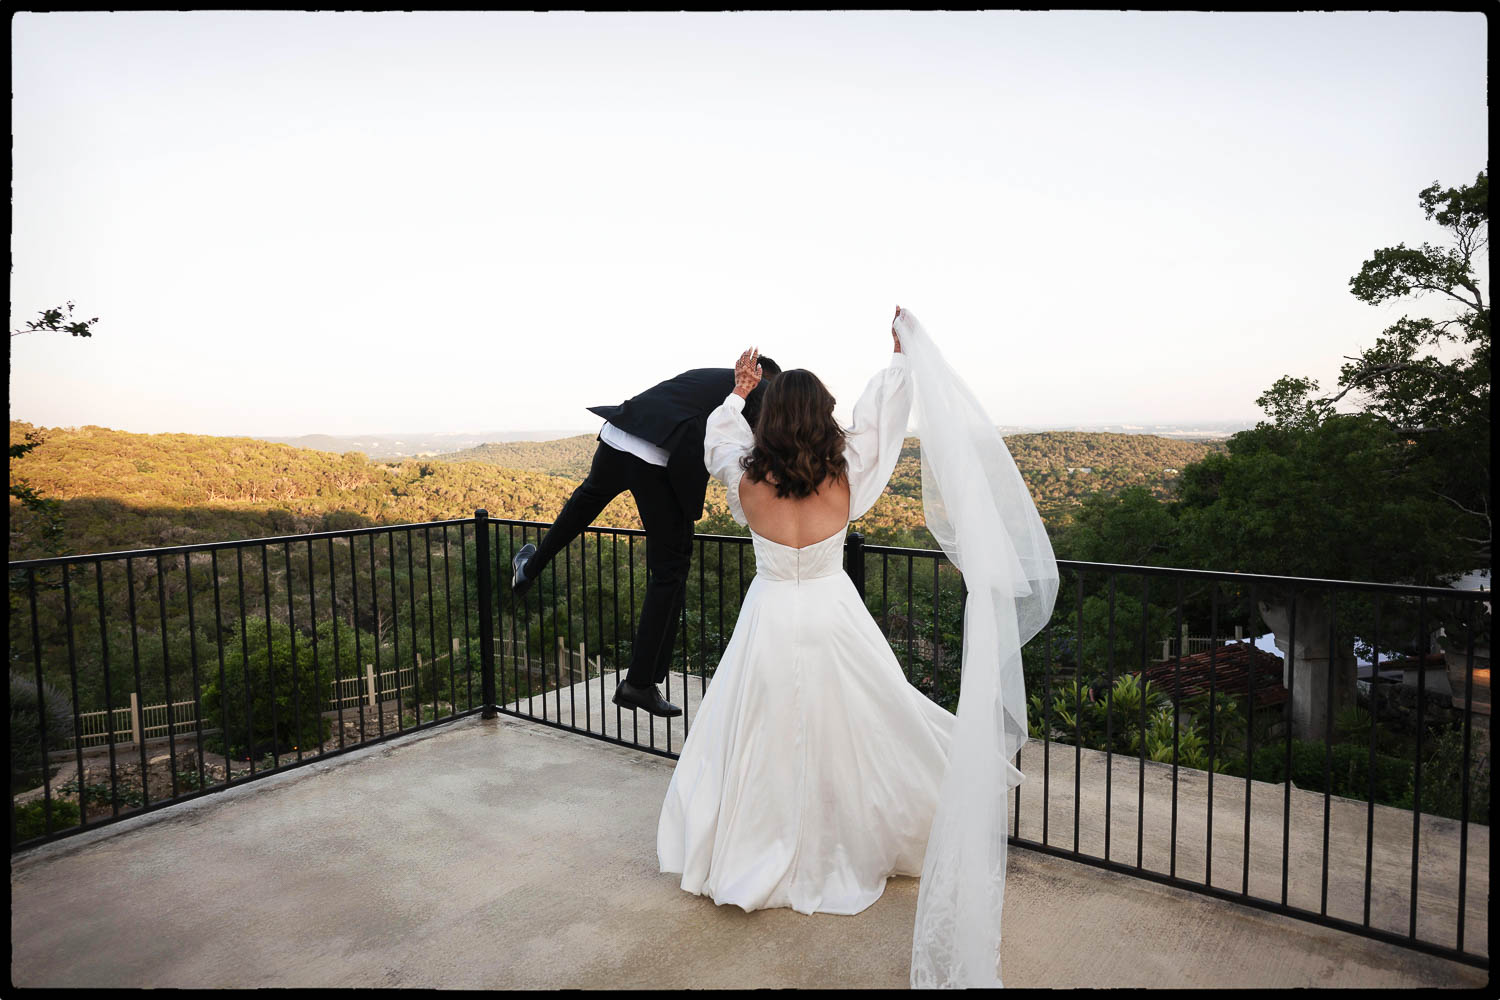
x,y
26,711
298,698
1443,777
31,819
98,793
1349,770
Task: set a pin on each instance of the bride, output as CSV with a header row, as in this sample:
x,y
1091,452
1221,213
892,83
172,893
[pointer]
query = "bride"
x,y
814,770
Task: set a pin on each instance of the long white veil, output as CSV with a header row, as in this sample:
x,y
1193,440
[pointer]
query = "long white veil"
x,y
979,510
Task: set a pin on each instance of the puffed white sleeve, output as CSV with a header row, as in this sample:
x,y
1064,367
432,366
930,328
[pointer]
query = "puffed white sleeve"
x,y
726,439
872,445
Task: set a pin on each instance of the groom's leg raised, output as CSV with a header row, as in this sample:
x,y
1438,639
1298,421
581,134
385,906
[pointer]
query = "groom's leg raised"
x,y
608,477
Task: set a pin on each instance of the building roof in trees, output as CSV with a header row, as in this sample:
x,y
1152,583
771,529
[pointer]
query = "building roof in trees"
x,y
1228,668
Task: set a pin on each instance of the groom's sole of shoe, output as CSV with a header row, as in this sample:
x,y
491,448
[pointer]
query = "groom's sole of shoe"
x,y
519,584
626,698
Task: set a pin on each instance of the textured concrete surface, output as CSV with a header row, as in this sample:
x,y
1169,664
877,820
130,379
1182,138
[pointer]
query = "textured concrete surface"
x,y
1141,800
504,854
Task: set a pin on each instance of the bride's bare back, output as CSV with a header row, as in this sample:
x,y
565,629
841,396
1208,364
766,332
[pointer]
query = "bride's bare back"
x,y
796,522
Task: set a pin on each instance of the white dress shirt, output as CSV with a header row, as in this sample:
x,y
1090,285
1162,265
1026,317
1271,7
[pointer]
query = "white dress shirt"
x,y
639,447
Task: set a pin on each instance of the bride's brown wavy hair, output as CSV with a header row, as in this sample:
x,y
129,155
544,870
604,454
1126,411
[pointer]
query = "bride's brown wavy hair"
x,y
797,441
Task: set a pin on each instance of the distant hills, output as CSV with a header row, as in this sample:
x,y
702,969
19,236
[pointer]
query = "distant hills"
x,y
120,490
417,444
450,444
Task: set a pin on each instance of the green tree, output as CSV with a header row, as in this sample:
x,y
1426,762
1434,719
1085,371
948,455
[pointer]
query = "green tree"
x,y
1440,405
1370,495
58,319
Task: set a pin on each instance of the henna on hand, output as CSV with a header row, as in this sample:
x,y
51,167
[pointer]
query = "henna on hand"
x,y
747,372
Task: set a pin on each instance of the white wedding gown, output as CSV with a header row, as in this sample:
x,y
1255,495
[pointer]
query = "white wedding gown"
x,y
813,768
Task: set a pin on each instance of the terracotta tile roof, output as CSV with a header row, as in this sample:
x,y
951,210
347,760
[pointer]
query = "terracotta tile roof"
x,y
1231,665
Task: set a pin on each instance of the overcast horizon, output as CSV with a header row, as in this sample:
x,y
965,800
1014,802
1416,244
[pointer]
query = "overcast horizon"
x,y
297,223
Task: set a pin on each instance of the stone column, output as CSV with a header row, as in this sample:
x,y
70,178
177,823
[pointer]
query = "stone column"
x,y
1308,663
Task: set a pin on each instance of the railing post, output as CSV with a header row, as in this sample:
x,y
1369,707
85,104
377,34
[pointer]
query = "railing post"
x,y
135,719
486,612
854,560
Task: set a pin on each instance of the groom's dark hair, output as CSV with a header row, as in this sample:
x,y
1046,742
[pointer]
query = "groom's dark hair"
x,y
768,367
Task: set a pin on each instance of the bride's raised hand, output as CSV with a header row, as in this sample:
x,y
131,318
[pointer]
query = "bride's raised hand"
x,y
747,372
894,335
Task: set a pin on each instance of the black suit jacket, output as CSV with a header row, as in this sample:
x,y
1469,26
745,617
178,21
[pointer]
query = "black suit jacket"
x,y
673,416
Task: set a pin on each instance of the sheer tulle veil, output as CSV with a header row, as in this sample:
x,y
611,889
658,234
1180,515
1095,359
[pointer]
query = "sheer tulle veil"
x,y
979,510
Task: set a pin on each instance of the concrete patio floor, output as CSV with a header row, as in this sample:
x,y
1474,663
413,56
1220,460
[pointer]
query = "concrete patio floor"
x,y
505,854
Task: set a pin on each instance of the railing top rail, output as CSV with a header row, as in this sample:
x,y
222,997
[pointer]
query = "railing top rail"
x,y
1401,589
237,544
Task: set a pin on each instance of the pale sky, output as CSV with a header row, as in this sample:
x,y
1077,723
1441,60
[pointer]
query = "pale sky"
x,y
295,223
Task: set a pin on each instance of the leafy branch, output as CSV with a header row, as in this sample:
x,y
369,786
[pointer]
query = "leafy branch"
x,y
58,319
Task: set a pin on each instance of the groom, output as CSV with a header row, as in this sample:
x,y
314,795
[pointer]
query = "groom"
x,y
651,445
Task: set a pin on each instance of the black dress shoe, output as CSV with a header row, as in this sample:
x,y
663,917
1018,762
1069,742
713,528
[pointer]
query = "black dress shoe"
x,y
519,581
647,699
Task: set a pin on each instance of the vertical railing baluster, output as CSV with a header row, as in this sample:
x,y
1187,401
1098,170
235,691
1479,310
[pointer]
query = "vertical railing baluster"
x,y
291,631
431,620
1423,642
1291,697
937,642
390,551
411,601
486,621
1109,727
187,569
911,666
721,614
702,634
1213,718
1252,610
448,615
568,654
166,671
1078,715
239,558
1047,733
599,609
583,577
556,631
333,616
312,625
1370,770
109,699
1176,725
359,656
265,580
1140,808
213,563
41,701
1463,836
1333,650
375,612
463,574
635,717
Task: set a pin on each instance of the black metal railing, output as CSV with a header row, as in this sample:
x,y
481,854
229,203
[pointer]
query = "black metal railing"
x,y
1342,778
